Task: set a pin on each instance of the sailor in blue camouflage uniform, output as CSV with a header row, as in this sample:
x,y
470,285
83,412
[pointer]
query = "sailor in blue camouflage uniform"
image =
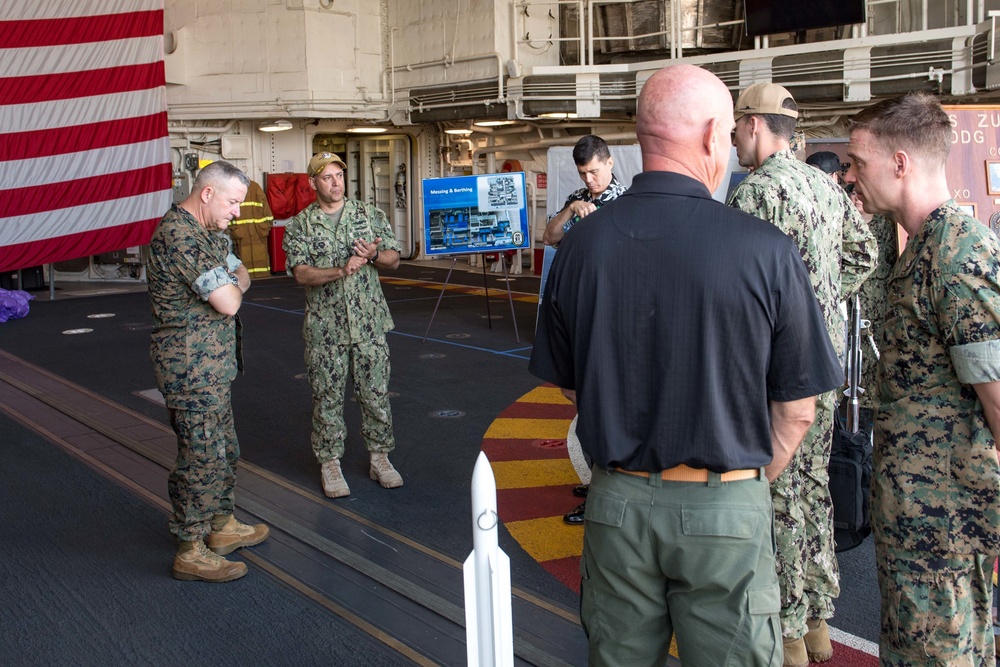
x,y
335,248
196,286
839,252
936,480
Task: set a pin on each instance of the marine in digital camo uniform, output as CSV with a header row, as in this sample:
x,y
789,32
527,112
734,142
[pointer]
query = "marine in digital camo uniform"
x,y
936,479
839,252
195,288
334,247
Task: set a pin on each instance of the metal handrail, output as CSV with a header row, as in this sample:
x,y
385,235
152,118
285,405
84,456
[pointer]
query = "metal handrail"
x,y
587,39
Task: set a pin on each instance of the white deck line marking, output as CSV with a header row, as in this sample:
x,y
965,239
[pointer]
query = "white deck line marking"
x,y
841,637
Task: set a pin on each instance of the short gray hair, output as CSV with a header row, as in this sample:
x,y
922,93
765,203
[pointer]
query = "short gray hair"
x,y
217,173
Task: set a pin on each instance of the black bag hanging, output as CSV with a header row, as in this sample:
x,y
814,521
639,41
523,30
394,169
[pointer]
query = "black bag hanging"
x,y
851,453
850,485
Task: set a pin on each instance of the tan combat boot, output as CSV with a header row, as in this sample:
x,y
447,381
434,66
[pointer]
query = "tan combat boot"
x,y
334,484
817,640
233,535
383,472
795,653
194,562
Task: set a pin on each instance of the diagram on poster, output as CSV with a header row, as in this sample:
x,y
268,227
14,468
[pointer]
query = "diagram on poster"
x,y
475,214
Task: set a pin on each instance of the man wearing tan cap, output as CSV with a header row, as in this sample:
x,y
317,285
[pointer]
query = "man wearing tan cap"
x,y
839,253
334,248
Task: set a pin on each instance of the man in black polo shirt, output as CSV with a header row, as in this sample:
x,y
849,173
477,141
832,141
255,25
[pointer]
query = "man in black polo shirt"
x,y
691,341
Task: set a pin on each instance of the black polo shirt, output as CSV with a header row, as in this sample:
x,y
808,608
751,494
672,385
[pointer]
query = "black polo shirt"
x,y
676,319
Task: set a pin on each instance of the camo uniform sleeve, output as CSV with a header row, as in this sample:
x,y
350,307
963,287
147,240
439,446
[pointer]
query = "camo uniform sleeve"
x,y
753,200
294,242
198,260
970,307
212,280
858,252
381,227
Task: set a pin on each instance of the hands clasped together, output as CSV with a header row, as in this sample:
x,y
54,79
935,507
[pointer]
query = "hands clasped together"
x,y
364,253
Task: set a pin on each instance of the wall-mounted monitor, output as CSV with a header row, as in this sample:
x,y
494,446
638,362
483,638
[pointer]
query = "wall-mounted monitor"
x,y
475,214
766,17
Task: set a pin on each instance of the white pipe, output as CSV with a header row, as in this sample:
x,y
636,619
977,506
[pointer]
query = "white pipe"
x,y
590,33
268,109
544,143
513,31
680,33
392,66
175,129
443,149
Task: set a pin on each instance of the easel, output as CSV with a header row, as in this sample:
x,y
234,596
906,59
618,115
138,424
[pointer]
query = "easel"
x,y
486,286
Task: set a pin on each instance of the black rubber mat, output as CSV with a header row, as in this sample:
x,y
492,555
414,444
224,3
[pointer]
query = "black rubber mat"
x,y
85,579
478,372
464,366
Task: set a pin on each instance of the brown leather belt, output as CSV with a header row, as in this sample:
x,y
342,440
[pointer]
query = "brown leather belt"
x,y
683,473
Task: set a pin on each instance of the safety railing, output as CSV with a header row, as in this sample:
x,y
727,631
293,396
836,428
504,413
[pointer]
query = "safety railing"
x,y
885,16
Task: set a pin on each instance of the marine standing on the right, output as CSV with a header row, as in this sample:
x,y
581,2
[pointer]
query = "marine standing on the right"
x,y
936,483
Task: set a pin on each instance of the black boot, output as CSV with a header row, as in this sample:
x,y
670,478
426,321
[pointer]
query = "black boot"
x,y
575,518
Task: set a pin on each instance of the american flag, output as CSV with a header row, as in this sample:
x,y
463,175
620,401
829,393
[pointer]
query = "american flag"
x,y
84,150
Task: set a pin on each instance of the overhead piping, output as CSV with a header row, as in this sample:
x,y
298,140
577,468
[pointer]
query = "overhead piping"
x,y
199,129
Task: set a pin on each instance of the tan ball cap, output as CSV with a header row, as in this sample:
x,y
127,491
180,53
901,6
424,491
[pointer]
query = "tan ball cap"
x,y
320,160
763,98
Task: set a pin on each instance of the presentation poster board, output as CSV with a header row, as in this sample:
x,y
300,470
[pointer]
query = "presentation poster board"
x,y
475,214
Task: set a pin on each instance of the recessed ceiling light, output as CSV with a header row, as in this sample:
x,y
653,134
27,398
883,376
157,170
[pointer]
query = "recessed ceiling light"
x,y
275,126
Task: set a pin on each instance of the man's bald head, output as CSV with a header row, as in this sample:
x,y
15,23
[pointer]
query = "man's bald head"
x,y
684,121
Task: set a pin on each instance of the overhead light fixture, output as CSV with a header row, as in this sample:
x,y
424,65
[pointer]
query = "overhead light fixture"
x,y
275,126
559,115
367,129
494,123
458,130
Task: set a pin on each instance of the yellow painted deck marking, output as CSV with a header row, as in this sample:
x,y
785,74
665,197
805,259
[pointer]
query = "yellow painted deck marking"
x,y
530,429
544,395
536,472
548,538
